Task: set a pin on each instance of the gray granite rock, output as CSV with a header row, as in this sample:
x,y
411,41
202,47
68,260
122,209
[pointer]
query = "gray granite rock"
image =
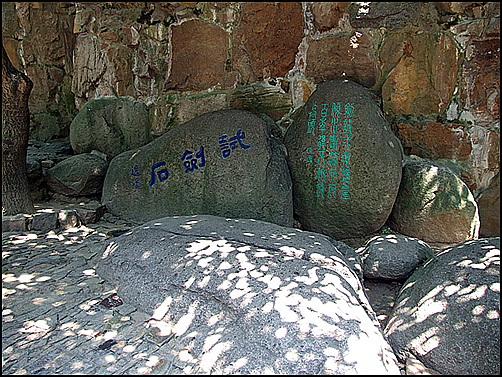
x,y
434,205
393,256
345,162
246,296
223,163
447,314
110,125
78,175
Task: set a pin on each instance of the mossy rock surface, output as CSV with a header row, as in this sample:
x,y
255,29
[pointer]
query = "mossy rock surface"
x,y
434,205
110,125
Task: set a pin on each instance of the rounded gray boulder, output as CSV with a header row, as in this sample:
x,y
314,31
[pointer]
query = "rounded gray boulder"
x,y
345,162
434,205
448,312
393,256
78,175
223,163
244,296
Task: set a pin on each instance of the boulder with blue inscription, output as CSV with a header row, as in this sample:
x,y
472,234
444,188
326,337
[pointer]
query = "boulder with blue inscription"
x,y
345,162
223,163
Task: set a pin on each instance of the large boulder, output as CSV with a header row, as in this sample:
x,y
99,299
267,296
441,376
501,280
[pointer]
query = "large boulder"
x,y
223,163
434,205
393,256
110,125
249,297
448,312
78,175
345,162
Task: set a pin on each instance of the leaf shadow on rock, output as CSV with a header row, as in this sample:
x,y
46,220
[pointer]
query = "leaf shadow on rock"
x,y
447,314
248,298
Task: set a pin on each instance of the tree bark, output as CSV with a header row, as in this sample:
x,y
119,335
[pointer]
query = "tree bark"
x,y
16,89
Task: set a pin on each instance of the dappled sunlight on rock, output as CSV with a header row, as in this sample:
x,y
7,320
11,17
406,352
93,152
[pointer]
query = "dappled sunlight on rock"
x,y
449,308
245,296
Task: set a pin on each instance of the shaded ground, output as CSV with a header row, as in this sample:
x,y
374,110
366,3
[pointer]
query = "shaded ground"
x,y
382,295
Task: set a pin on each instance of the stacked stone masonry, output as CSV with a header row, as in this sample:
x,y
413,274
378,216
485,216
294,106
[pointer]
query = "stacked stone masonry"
x,y
432,67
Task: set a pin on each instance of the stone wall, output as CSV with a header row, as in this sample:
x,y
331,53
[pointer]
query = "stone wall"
x,y
433,67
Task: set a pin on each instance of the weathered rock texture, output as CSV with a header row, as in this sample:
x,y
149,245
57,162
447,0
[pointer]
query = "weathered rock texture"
x,y
222,163
267,39
428,62
199,56
250,297
345,162
111,126
393,256
79,175
434,205
448,312
489,210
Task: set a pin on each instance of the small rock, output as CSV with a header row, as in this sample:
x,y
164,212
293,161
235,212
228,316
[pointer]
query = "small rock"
x,y
107,344
393,257
111,302
68,219
15,223
44,221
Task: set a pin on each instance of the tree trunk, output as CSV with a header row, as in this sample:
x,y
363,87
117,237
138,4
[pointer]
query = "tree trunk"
x,y
16,88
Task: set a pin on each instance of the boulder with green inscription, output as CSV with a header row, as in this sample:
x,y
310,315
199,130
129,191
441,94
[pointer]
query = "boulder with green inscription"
x,y
345,162
223,163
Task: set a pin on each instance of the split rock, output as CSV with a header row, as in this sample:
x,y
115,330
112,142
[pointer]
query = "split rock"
x,y
345,162
223,163
249,297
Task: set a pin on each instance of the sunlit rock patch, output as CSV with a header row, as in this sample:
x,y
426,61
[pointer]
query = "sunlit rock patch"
x,y
434,205
448,312
246,296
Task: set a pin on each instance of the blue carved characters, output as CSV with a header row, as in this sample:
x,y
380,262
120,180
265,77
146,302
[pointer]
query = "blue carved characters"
x,y
190,162
228,145
155,173
135,180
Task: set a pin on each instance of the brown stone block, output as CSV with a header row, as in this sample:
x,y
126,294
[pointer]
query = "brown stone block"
x,y
112,36
343,56
199,56
420,70
489,210
494,152
433,140
267,39
328,14
481,80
